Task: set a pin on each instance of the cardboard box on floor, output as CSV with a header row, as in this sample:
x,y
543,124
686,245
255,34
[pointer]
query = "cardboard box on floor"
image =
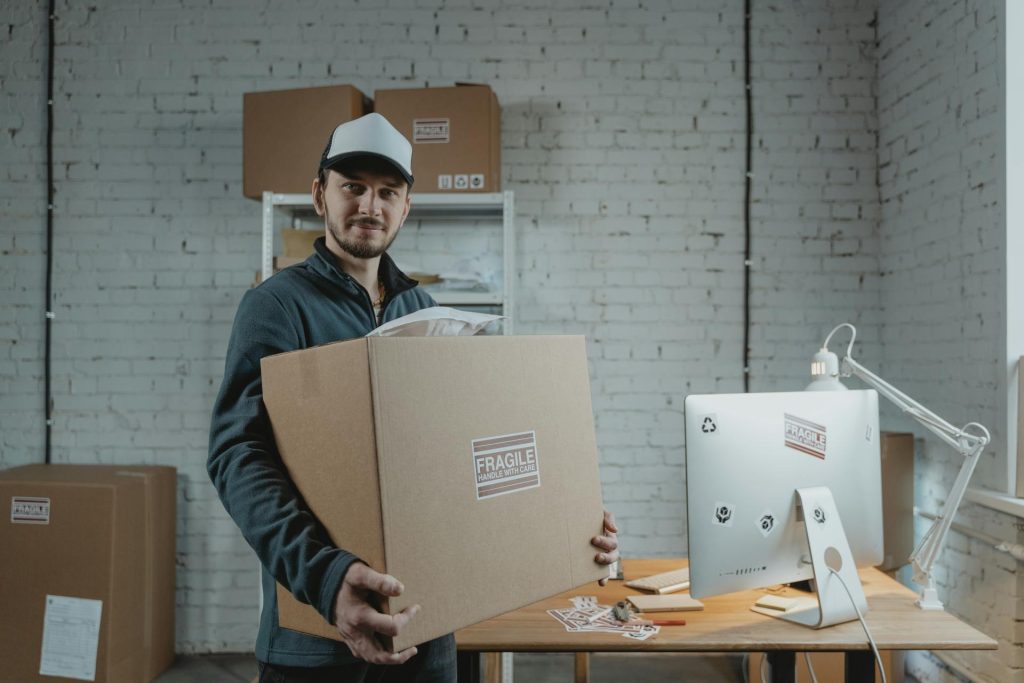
x,y
455,134
464,466
284,133
86,541
897,498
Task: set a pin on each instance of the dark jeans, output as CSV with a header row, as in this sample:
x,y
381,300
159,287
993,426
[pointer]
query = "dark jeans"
x,y
434,663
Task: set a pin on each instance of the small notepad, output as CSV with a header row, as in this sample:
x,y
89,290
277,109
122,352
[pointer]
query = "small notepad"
x,y
675,602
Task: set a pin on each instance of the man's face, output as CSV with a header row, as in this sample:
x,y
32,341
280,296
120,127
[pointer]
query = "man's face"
x,y
363,210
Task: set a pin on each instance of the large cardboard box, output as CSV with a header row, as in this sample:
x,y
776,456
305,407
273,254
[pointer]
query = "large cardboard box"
x,y
464,466
284,133
89,532
455,134
897,498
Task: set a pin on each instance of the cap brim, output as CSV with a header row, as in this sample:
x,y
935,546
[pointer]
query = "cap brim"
x,y
330,162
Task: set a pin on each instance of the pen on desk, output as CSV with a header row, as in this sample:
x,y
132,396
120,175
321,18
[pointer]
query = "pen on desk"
x,y
662,622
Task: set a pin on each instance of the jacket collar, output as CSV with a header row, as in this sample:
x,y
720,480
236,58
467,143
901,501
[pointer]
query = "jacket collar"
x,y
326,264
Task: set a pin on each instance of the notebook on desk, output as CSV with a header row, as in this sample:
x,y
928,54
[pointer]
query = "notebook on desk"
x,y
666,582
681,602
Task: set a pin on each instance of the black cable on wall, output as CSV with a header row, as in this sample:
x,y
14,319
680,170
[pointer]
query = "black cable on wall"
x,y
748,178
47,392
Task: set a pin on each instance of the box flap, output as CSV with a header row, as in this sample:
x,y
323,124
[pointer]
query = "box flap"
x,y
334,465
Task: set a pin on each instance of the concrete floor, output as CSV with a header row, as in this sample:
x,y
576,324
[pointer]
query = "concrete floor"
x,y
528,668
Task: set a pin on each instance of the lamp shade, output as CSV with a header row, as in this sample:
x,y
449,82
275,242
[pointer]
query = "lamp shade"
x,y
825,372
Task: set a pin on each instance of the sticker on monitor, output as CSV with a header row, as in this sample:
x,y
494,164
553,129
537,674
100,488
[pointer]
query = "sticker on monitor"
x,y
766,523
805,436
708,424
723,515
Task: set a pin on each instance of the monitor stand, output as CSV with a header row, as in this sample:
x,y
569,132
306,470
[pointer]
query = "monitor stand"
x,y
829,548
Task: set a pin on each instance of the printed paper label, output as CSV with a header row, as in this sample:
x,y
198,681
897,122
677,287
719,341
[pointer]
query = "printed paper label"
x,y
505,464
71,637
430,130
805,436
27,510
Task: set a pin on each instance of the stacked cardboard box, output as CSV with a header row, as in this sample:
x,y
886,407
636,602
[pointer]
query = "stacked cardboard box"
x,y
455,134
284,133
897,499
88,559
464,466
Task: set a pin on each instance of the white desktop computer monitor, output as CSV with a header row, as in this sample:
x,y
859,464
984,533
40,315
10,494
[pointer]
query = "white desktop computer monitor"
x,y
746,454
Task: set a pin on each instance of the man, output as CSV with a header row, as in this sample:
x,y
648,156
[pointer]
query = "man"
x,y
344,290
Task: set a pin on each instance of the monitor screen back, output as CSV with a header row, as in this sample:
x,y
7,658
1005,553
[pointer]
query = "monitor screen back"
x,y
746,454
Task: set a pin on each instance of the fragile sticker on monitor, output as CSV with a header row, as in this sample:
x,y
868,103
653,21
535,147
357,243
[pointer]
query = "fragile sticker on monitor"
x,y
430,130
805,436
505,464
26,510
723,514
766,523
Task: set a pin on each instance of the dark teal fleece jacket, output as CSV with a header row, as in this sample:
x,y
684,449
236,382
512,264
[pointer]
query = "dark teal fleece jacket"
x,y
305,305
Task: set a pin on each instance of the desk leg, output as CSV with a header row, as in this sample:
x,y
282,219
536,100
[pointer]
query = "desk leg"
x,y
860,666
582,667
783,666
468,664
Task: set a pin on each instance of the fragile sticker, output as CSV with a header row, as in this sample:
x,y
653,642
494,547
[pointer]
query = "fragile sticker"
x,y
723,514
431,130
505,464
28,510
805,436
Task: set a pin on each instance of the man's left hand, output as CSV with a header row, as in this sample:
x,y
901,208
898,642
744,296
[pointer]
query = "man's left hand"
x,y
607,542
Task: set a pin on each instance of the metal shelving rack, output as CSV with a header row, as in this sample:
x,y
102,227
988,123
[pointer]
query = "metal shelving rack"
x,y
425,206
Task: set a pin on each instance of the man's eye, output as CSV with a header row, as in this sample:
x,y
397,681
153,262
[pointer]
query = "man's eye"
x,y
351,187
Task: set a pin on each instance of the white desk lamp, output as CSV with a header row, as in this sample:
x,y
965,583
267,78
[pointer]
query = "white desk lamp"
x,y
826,372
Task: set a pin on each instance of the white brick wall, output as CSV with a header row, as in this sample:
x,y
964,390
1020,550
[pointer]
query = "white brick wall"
x,y
623,139
941,171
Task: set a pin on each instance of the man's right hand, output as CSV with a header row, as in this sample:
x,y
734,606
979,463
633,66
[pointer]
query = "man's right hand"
x,y
358,620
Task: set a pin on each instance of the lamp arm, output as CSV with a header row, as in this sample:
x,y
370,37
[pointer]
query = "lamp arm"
x,y
970,447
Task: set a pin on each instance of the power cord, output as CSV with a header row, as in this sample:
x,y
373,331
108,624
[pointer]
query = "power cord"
x,y
810,667
871,641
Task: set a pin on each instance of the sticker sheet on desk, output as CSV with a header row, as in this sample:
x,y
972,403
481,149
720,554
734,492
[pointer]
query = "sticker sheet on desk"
x,y
592,617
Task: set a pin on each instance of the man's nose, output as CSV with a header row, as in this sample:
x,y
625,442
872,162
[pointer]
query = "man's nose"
x,y
369,204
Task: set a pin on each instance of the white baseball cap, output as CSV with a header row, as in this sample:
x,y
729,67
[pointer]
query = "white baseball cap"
x,y
371,135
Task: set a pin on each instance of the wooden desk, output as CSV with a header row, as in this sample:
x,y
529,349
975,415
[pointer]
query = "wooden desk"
x,y
727,625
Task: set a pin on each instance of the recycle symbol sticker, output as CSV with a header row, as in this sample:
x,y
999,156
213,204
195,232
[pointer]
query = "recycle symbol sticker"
x,y
709,424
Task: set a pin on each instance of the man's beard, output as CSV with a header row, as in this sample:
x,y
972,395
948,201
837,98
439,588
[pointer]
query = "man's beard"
x,y
356,247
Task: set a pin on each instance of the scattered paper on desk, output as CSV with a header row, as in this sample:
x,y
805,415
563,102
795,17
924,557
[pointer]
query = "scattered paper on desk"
x,y
581,601
598,618
645,633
